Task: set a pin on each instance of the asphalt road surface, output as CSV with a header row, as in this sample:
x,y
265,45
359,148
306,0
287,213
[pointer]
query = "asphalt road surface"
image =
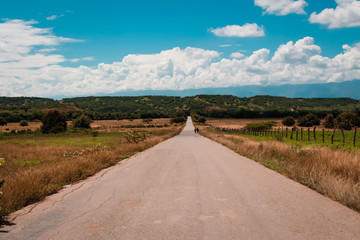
x,y
187,187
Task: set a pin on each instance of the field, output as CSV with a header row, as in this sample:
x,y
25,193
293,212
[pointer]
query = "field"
x,y
304,136
37,165
332,171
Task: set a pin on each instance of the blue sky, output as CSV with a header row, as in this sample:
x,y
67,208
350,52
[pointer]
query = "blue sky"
x,y
70,48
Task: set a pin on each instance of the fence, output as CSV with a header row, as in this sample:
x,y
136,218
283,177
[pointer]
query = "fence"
x,y
295,133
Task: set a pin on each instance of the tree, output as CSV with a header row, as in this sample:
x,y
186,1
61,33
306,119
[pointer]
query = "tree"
x,y
288,121
3,121
308,120
53,122
348,120
82,122
197,118
24,123
330,121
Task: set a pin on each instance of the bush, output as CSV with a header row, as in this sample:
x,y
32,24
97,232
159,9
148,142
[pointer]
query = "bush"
x,y
197,118
95,133
3,121
82,122
147,120
329,121
24,123
348,120
136,136
53,122
309,120
288,121
178,119
260,126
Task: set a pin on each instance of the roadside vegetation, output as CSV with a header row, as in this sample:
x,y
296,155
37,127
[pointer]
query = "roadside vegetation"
x,y
332,170
35,165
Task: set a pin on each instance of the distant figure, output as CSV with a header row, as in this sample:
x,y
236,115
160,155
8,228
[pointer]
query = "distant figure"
x,y
197,130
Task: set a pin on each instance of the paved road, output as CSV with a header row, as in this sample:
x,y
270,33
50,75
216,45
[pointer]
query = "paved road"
x,y
186,188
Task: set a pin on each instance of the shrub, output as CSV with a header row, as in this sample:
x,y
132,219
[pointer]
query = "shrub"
x,y
347,120
53,122
288,121
3,121
197,118
24,123
260,126
95,133
147,120
82,122
329,121
136,136
309,120
178,119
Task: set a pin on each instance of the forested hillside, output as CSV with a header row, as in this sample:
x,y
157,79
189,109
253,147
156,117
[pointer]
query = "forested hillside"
x,y
17,108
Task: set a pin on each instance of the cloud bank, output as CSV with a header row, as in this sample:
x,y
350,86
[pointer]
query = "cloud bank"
x,y
346,14
28,67
282,7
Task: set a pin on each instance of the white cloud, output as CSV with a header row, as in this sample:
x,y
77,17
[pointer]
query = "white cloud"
x,y
25,70
237,55
18,40
282,7
53,17
81,59
247,30
346,14
225,45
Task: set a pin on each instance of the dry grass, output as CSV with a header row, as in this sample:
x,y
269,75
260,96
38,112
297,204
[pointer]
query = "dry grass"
x,y
101,125
240,123
33,171
333,173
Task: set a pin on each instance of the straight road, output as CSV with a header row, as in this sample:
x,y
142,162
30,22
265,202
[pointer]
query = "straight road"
x,y
187,187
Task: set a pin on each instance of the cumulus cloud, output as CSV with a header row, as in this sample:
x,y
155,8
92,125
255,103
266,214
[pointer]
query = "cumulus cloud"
x,y
346,14
19,38
282,7
247,30
27,71
237,55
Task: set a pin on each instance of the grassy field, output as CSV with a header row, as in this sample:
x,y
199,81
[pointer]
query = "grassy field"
x,y
37,165
284,136
332,172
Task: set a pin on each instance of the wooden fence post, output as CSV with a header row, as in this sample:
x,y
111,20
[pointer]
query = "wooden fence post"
x,y
323,136
354,136
342,132
286,130
315,134
292,131
332,136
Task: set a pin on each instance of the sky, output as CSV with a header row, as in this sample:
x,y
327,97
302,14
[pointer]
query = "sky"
x,y
80,48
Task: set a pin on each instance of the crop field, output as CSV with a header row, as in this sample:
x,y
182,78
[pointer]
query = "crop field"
x,y
37,165
332,170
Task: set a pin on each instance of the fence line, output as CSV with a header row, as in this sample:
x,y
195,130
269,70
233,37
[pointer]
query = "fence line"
x,y
279,133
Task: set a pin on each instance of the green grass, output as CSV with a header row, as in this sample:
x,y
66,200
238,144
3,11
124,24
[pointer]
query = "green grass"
x,y
338,140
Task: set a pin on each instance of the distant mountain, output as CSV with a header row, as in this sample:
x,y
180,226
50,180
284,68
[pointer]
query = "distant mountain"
x,y
350,89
